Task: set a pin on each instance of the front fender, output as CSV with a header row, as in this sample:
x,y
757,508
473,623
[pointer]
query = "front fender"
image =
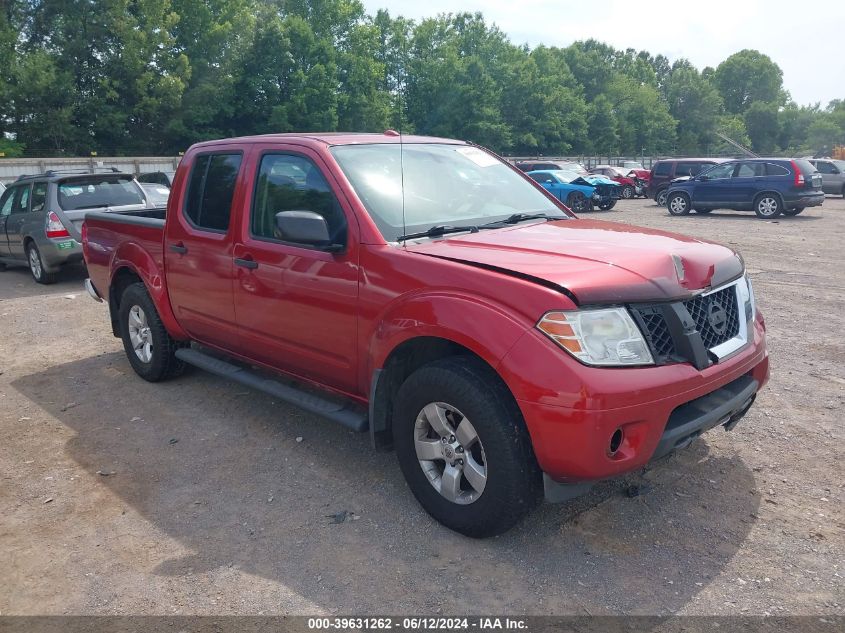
x,y
483,327
134,257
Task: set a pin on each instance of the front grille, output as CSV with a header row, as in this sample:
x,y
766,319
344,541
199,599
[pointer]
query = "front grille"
x,y
705,311
716,318
657,331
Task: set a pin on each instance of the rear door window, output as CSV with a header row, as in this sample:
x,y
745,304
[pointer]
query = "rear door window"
x,y
751,170
39,196
211,189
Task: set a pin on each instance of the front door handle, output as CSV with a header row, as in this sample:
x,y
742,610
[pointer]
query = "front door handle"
x,y
246,262
179,248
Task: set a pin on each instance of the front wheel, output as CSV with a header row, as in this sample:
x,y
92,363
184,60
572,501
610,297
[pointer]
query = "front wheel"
x,y
607,206
150,349
36,266
678,204
627,192
577,202
768,206
464,449
660,198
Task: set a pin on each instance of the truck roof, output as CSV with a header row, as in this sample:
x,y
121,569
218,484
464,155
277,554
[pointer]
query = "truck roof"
x,y
333,138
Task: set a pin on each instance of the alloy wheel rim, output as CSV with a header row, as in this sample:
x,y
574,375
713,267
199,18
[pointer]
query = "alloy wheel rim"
x,y
34,263
140,334
627,192
767,206
661,198
678,204
450,453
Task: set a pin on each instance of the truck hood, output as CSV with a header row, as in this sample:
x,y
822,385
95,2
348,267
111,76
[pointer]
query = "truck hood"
x,y
595,262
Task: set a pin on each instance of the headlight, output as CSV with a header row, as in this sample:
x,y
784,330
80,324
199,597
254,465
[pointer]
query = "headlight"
x,y
746,295
606,336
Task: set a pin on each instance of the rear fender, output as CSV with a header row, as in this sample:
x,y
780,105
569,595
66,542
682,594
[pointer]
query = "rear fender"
x,y
135,258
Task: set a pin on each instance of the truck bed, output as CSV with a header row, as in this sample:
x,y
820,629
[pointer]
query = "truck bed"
x,y
108,235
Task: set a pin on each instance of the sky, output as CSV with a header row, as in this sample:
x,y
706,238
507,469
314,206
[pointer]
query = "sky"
x,y
806,39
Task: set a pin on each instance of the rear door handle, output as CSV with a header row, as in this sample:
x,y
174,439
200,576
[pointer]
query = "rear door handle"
x,y
179,248
246,263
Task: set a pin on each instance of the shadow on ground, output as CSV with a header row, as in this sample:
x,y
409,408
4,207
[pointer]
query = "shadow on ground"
x,y
18,282
220,470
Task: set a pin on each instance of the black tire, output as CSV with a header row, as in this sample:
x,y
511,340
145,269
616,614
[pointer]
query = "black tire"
x,y
678,204
703,211
163,363
36,266
607,206
793,211
627,192
577,202
768,206
660,197
513,479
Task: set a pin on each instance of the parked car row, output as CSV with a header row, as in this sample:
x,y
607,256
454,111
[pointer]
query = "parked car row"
x,y
41,215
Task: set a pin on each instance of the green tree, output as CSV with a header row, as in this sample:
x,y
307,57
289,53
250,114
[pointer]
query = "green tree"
x,y
695,104
761,120
746,77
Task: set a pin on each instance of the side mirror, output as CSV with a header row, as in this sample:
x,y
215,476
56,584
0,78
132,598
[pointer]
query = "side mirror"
x,y
306,228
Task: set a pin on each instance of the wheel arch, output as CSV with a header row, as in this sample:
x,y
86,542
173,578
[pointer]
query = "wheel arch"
x,y
132,264
401,362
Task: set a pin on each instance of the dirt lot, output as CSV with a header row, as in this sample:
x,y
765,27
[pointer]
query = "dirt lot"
x,y
197,496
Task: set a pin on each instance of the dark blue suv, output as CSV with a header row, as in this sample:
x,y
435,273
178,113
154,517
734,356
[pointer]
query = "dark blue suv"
x,y
768,186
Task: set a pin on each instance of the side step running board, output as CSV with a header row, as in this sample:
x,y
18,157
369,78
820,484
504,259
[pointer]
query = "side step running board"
x,y
337,412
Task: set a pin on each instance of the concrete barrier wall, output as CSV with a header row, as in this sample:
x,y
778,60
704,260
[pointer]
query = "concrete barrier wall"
x,y
11,168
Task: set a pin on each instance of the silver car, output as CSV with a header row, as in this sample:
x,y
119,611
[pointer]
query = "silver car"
x,y
833,174
41,216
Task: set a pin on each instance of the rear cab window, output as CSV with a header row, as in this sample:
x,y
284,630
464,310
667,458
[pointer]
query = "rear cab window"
x,y
97,191
211,188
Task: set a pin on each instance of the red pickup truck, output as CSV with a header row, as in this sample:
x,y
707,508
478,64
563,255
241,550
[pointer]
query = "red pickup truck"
x,y
427,292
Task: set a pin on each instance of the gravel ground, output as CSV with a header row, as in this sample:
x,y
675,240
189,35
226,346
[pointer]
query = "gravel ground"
x,y
199,497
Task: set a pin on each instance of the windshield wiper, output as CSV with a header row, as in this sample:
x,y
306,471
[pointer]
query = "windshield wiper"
x,y
521,217
437,230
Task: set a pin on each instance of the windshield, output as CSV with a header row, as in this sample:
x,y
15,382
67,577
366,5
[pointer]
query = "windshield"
x,y
564,175
453,185
838,163
98,191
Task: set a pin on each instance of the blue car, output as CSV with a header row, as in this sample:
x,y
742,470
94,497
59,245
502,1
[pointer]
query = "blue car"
x,y
768,186
577,191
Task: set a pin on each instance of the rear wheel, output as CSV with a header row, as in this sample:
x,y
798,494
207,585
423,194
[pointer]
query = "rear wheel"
x,y
627,192
463,447
149,348
577,201
767,206
660,198
36,266
607,206
678,204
